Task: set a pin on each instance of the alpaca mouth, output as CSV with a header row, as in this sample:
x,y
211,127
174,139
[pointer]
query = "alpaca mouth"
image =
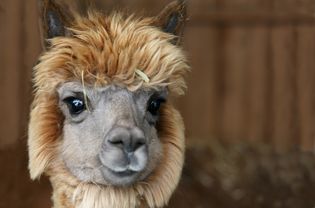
x,y
123,165
125,173
120,177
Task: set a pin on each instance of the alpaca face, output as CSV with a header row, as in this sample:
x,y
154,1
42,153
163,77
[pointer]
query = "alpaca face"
x,y
100,113
109,133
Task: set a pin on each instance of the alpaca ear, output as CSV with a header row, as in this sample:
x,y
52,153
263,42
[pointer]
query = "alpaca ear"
x,y
172,19
53,20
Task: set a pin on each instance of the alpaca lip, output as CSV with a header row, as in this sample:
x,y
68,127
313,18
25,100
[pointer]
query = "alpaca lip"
x,y
120,178
124,173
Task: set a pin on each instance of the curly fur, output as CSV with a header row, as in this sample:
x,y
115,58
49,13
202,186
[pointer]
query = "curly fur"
x,y
107,49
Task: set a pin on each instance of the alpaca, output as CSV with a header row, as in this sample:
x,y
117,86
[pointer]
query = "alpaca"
x,y
102,126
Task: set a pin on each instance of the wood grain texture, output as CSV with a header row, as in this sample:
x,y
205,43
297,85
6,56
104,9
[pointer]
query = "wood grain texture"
x,y
19,40
305,76
257,65
196,107
10,29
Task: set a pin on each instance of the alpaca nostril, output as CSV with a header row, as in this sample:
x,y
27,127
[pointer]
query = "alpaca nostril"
x,y
138,143
134,145
119,139
118,143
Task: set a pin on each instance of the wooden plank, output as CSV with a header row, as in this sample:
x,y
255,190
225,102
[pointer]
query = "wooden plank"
x,y
300,6
149,7
201,6
251,18
236,83
218,79
30,48
209,6
10,24
258,70
305,84
197,106
253,12
285,89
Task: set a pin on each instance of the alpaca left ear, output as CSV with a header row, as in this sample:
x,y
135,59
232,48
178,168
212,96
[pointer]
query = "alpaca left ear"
x,y
54,20
172,19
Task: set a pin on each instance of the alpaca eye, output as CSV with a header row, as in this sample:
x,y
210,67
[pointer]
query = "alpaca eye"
x,y
75,105
154,105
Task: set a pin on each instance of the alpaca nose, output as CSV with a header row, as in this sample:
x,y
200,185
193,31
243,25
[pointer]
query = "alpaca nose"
x,y
127,139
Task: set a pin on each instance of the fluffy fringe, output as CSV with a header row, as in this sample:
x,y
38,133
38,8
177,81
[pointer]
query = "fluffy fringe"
x,y
110,50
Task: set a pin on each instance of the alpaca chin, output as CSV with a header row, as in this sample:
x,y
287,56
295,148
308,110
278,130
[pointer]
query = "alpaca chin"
x,y
154,191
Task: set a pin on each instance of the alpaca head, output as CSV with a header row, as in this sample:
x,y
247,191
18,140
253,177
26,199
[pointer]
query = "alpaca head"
x,y
102,109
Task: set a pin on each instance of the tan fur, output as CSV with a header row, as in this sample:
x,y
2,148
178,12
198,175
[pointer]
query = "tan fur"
x,y
90,51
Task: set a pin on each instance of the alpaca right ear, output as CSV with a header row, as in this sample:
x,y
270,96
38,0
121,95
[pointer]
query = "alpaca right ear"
x,y
172,19
53,21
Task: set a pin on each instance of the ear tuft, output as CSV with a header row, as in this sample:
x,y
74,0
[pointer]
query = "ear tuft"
x,y
53,20
172,18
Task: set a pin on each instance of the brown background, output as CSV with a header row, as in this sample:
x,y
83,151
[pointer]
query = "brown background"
x,y
252,79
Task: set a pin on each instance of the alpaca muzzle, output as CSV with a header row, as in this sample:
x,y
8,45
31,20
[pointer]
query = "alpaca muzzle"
x,y
124,154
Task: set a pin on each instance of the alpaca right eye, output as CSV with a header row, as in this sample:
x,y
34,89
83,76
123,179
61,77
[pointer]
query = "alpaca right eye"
x,y
75,105
154,105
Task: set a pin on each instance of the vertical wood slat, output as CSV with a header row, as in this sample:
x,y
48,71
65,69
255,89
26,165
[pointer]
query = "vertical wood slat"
x,y
234,105
10,57
305,84
31,48
197,104
284,66
257,63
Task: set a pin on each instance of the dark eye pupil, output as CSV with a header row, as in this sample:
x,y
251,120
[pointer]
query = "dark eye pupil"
x,y
75,105
154,106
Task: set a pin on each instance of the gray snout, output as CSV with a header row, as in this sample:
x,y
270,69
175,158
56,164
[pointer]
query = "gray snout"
x,y
127,139
124,153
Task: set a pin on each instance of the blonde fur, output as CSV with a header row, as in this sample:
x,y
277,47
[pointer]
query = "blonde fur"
x,y
106,50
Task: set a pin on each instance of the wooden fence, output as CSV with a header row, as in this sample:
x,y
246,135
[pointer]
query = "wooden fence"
x,y
252,69
253,72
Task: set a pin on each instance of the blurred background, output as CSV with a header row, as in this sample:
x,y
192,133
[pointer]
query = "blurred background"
x,y
249,109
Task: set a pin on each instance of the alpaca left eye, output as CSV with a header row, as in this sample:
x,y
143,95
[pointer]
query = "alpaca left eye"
x,y
154,105
75,105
